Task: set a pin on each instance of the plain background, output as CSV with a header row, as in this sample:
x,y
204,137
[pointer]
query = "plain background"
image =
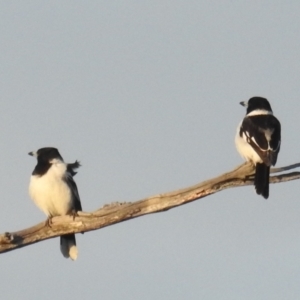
x,y
146,95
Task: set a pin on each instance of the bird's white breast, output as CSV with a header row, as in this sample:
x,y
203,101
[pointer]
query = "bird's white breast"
x,y
50,192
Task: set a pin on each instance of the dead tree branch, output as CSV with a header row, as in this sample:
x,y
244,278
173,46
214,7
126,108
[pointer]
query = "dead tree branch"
x,y
119,212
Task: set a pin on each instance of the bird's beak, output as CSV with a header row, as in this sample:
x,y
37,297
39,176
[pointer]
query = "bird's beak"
x,y
32,153
244,103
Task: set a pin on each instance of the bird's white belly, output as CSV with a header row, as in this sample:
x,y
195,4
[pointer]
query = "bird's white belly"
x,y
51,195
245,150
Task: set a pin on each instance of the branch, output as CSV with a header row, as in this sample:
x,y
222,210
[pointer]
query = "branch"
x,y
114,213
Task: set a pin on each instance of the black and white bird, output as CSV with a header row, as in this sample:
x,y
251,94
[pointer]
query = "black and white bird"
x,y
54,191
258,140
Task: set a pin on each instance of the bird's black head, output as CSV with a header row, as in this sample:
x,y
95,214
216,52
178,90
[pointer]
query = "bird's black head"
x,y
257,103
46,154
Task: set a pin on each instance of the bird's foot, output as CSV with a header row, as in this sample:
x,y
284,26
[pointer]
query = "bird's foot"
x,y
48,222
74,214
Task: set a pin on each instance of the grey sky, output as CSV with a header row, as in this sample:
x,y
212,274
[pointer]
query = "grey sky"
x,y
145,94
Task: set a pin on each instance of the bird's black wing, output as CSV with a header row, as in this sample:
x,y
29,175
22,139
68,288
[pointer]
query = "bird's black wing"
x,y
262,132
71,167
72,185
75,194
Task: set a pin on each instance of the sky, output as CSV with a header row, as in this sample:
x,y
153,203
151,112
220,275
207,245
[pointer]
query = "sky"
x,y
145,94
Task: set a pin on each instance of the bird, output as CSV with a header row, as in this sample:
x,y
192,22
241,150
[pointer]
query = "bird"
x,y
258,140
54,191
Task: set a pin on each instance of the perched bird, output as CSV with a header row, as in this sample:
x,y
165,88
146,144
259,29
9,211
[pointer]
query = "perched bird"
x,y
258,140
54,191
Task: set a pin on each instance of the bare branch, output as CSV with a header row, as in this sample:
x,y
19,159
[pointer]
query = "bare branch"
x,y
119,212
282,169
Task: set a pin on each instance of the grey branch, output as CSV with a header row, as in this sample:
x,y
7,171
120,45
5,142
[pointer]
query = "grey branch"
x,y
119,212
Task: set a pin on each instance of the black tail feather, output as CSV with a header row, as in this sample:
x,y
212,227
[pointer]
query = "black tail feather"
x,y
68,246
261,180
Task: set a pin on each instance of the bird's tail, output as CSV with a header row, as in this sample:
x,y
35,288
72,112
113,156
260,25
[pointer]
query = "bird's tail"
x,y
261,181
68,246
